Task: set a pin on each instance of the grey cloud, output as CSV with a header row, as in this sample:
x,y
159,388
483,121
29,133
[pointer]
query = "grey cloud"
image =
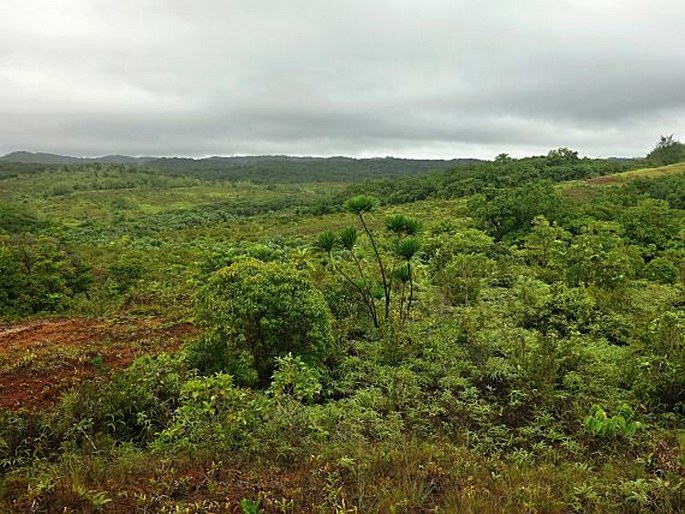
x,y
437,78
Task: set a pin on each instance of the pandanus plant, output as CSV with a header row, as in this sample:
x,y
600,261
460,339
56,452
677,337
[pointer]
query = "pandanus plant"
x,y
406,246
360,205
406,249
326,243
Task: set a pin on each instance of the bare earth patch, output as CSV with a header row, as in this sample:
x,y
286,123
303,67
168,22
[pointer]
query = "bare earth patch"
x,y
606,179
40,360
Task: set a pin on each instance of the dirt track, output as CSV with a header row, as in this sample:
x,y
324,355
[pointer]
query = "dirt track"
x,y
40,360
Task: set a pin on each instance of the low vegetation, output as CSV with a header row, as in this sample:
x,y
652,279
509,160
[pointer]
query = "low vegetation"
x,y
506,336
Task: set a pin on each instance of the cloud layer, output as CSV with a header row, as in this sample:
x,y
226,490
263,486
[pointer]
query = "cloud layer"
x,y
437,78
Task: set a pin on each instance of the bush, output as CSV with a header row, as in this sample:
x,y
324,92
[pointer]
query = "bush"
x,y
661,270
134,406
659,371
254,312
463,278
211,414
38,274
600,424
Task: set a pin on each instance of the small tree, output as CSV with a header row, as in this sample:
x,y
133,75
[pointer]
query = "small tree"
x,y
255,312
406,247
39,274
507,213
561,155
667,151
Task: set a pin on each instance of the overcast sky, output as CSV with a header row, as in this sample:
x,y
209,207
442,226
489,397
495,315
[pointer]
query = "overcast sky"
x,y
423,78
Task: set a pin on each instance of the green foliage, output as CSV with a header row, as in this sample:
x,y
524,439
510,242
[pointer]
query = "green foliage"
x,y
599,255
658,369
545,248
293,377
509,212
326,242
462,279
361,204
561,156
127,270
555,307
401,273
278,169
400,224
407,248
212,412
254,312
38,274
651,222
667,151
370,284
670,188
503,173
134,406
600,424
248,506
661,270
348,238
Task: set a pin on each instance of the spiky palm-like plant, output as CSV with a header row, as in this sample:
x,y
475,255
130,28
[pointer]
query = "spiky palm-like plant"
x,y
406,248
360,205
401,225
348,238
326,243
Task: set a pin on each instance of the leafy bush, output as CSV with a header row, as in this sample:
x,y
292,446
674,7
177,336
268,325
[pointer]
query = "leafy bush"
x,y
463,278
212,413
38,274
659,368
600,424
294,378
254,312
599,255
134,406
661,270
667,151
509,212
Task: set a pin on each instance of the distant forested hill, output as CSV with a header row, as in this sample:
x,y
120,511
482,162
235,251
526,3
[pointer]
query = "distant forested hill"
x,y
302,169
51,158
258,169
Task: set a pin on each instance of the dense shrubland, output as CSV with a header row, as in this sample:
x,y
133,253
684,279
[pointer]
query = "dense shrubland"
x,y
504,172
520,352
39,274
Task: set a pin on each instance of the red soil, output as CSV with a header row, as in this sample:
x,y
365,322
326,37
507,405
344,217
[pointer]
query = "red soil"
x,y
40,360
606,179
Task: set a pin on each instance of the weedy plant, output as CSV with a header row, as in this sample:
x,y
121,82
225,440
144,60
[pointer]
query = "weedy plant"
x,y
622,424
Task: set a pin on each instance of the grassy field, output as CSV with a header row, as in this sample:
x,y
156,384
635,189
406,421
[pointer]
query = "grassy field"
x,y
585,190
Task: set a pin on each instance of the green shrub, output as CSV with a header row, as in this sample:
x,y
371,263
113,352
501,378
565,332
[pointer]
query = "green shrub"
x,y
600,424
38,274
294,378
463,278
254,312
659,368
212,414
126,271
134,406
661,270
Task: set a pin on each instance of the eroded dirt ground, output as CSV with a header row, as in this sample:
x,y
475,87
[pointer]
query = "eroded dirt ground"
x,y
40,360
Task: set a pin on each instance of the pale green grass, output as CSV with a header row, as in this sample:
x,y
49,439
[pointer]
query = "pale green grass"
x,y
586,189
